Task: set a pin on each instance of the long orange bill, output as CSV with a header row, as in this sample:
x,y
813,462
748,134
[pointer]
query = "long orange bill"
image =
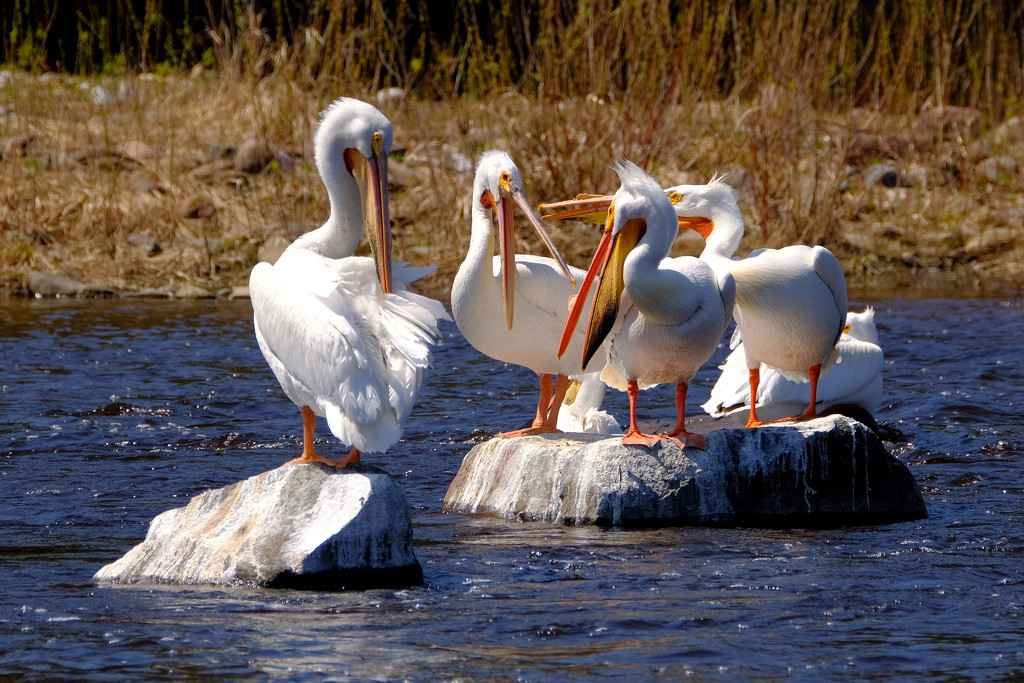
x,y
588,208
698,224
517,195
506,246
598,264
382,218
607,265
608,296
372,176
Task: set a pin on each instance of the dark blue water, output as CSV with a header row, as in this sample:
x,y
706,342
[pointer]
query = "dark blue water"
x,y
115,411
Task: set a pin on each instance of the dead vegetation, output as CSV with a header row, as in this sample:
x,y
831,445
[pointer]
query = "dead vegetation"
x,y
831,120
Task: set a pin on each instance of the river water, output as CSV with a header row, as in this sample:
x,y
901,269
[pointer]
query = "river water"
x,y
114,411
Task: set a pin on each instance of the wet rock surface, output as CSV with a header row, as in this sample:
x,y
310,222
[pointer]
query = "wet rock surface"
x,y
298,526
832,471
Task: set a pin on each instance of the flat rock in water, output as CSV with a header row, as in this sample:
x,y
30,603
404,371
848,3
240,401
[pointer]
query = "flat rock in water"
x,y
298,526
190,291
51,284
827,472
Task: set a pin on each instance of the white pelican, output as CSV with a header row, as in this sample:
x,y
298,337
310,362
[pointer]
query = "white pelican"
x,y
857,380
512,308
663,317
790,302
342,334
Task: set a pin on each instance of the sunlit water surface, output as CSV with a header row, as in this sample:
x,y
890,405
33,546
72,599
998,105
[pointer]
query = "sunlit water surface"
x,y
114,411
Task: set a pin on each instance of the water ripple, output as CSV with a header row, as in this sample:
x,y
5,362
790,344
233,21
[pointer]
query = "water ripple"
x,y
115,412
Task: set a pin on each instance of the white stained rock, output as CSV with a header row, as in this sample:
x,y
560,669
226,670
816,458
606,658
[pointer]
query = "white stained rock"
x,y
826,472
298,526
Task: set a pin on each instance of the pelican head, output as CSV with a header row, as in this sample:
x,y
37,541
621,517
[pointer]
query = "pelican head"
x,y
498,186
862,325
702,208
639,210
352,143
698,207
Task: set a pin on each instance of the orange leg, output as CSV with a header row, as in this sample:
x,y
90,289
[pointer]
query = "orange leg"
x,y
548,405
815,372
308,454
682,437
633,435
561,386
755,379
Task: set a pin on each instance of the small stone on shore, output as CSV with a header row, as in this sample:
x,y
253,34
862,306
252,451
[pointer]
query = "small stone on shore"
x,y
144,243
997,168
194,207
886,175
252,156
137,150
190,291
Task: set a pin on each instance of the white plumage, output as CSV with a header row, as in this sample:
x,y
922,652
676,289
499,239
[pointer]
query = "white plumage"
x,y
342,334
791,303
857,380
513,308
663,317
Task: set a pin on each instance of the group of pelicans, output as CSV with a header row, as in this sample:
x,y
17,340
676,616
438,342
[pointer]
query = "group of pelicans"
x,y
348,341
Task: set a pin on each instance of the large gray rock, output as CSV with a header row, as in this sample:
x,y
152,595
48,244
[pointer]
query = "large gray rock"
x,y
826,472
298,526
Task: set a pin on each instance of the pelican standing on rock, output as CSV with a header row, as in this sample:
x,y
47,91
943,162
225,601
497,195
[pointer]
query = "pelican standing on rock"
x,y
513,308
342,334
856,381
663,317
790,302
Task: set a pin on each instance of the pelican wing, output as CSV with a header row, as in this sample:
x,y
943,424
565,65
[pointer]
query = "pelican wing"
x,y
828,269
403,324
857,380
411,323
540,284
336,342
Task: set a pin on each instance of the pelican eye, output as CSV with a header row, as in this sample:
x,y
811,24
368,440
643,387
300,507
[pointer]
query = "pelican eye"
x,y
505,181
675,197
377,142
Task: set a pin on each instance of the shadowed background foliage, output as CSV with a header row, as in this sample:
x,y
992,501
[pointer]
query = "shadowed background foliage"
x,y
893,56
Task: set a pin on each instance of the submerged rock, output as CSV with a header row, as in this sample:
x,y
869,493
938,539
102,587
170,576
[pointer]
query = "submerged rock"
x,y
51,284
42,284
298,526
827,472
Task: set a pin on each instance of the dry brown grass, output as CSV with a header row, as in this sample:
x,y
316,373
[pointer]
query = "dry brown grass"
x,y
68,203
